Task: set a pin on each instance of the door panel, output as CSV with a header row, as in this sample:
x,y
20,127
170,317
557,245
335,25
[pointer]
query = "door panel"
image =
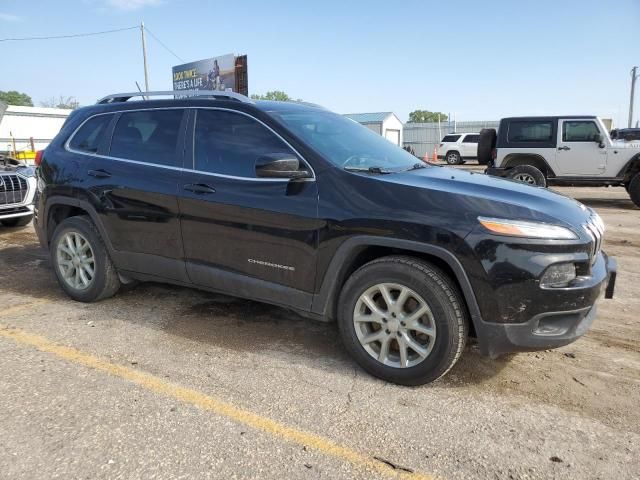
x,y
137,200
578,153
258,228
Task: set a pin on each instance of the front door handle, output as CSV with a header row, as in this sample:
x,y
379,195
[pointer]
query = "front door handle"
x,y
564,148
99,173
199,188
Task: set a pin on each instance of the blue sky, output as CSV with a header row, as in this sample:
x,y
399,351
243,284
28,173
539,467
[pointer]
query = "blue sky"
x,y
481,60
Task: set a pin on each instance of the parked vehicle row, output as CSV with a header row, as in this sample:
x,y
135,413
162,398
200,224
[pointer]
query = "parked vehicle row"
x,y
561,150
296,206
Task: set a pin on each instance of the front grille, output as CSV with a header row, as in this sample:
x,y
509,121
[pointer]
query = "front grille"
x,y
595,229
13,189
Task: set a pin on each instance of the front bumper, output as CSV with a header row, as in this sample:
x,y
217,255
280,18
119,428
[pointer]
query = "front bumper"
x,y
550,329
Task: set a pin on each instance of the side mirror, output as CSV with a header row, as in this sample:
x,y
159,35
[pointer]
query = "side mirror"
x,y
599,140
279,166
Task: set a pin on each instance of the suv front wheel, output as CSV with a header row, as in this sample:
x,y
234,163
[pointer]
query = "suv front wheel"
x,y
528,174
403,320
81,261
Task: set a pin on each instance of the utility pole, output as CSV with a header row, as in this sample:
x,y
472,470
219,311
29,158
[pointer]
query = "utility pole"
x,y
634,77
144,58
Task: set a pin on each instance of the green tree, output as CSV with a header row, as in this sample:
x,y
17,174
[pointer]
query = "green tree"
x,y
16,98
278,95
425,116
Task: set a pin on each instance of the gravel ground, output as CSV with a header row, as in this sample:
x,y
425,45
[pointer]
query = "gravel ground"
x,y
566,413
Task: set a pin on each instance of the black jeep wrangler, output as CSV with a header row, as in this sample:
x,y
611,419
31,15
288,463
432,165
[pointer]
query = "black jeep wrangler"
x,y
293,205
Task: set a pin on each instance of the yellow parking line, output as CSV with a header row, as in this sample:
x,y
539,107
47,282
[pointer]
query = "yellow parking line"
x,y
22,307
219,407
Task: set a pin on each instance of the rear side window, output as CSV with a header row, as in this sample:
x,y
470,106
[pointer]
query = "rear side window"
x,y
450,138
471,139
90,134
230,143
149,136
579,131
530,131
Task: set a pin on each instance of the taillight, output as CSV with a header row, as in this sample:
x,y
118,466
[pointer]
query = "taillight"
x,y
38,159
494,153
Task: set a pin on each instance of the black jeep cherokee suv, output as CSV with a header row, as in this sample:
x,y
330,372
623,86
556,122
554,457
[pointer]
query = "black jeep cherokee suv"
x,y
296,206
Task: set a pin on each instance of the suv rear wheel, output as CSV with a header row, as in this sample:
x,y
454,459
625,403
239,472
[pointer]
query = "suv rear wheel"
x,y
453,158
528,174
403,320
81,262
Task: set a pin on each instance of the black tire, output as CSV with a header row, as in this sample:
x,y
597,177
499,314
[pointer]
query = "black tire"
x,y
17,221
634,190
527,174
105,282
453,158
486,144
440,294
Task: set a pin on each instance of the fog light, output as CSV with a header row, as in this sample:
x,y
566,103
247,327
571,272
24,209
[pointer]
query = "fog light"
x,y
558,275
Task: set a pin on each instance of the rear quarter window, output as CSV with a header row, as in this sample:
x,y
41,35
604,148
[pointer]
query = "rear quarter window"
x,y
471,139
88,137
530,131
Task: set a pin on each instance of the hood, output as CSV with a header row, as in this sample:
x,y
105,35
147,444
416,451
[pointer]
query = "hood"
x,y
480,194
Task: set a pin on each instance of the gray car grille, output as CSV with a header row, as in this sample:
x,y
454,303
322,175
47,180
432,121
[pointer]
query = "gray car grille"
x,y
595,229
13,189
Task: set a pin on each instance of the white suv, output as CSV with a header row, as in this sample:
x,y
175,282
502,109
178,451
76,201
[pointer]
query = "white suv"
x,y
455,148
17,189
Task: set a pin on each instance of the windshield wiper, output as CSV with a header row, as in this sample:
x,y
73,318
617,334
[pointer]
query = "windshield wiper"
x,y
378,170
416,166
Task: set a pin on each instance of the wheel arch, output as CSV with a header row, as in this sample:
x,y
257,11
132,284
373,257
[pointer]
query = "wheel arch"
x,y
357,251
630,169
59,208
533,159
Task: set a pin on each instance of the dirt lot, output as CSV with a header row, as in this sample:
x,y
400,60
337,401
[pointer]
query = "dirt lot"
x,y
173,383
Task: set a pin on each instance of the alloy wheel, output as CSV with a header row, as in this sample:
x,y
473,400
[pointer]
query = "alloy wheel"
x,y
76,261
525,178
394,325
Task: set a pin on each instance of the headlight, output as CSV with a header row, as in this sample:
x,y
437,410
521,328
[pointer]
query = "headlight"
x,y
518,228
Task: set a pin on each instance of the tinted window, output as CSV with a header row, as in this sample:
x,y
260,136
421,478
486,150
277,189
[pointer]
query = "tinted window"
x,y
530,131
450,138
579,131
230,143
471,139
149,136
88,137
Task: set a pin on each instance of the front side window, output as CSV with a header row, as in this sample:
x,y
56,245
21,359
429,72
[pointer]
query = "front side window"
x,y
471,139
579,131
450,138
229,143
530,131
90,134
149,136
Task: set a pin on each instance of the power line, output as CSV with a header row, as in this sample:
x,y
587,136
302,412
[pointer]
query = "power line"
x,y
165,47
68,36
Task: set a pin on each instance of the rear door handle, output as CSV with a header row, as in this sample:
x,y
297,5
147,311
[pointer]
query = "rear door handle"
x,y
99,173
564,148
199,188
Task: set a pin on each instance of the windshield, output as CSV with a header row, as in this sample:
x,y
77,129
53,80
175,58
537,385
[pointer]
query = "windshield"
x,y
345,143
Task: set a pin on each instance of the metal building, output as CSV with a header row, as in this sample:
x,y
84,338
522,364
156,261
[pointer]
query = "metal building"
x,y
424,137
386,124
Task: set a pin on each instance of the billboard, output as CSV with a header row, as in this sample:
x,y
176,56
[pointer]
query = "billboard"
x,y
227,72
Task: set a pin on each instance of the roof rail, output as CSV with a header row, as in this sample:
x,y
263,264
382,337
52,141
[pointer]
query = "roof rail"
x,y
123,97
